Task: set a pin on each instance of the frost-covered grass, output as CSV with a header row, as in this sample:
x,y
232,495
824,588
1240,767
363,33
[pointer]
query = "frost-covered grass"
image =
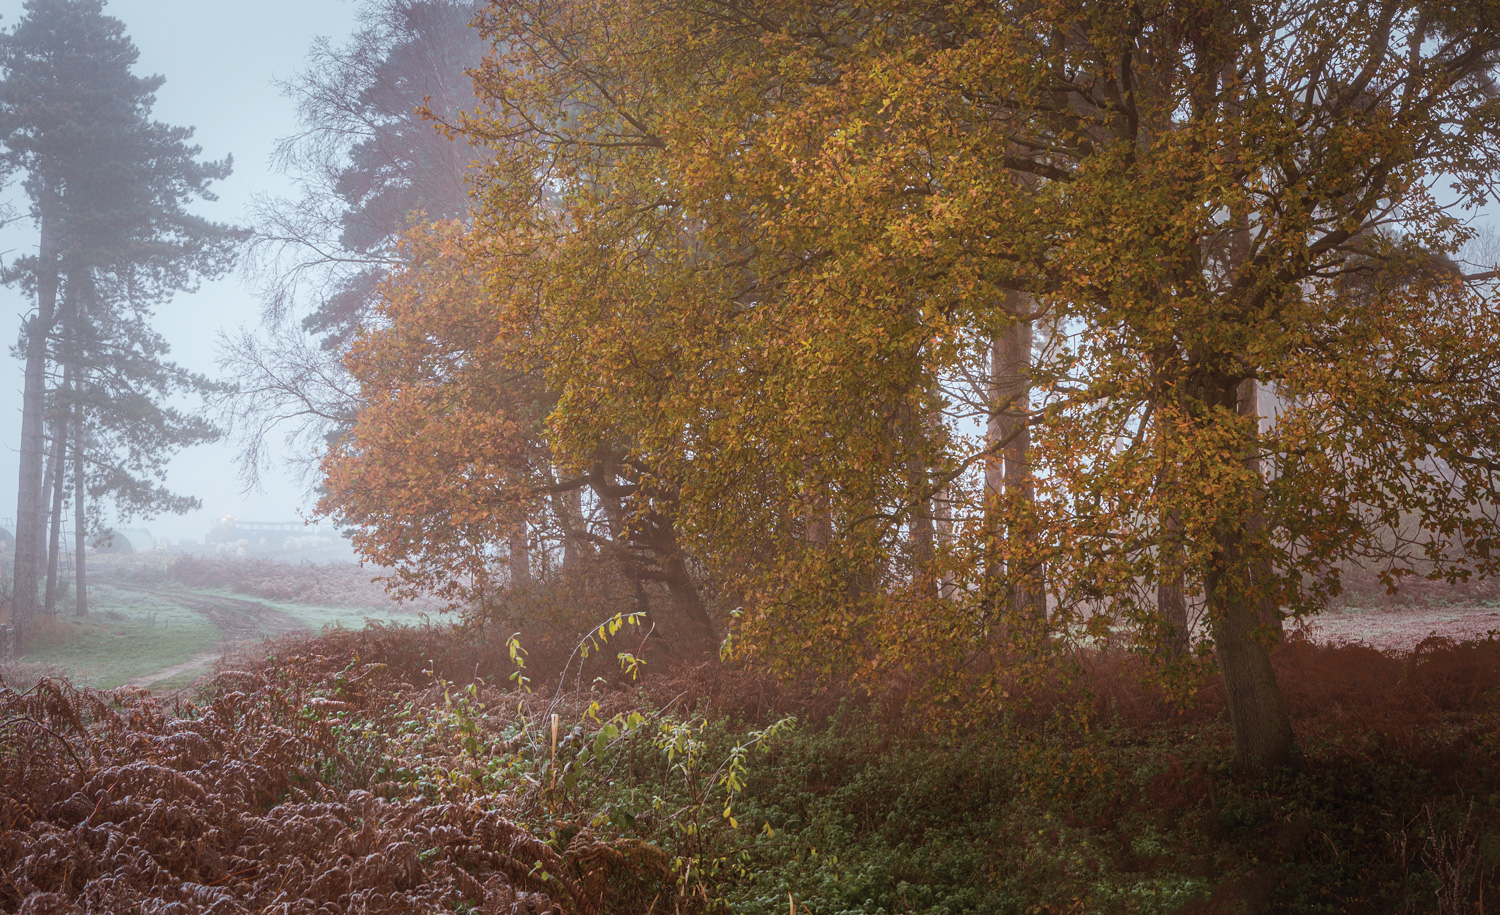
x,y
124,636
317,618
129,634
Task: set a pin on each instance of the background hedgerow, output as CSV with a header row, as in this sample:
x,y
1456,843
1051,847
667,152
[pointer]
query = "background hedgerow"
x,y
323,584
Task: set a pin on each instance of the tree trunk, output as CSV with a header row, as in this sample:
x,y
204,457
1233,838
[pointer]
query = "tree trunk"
x,y
1257,715
520,556
57,475
687,601
80,515
942,511
1237,589
818,513
29,496
932,516
568,507
1171,603
994,438
1267,611
994,483
1010,365
39,550
57,467
619,541
1171,596
923,534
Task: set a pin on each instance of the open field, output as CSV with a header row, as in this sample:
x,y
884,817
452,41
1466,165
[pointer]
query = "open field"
x,y
147,629
1403,628
128,635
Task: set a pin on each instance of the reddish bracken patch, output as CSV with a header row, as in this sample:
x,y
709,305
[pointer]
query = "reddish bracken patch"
x,y
257,801
1344,685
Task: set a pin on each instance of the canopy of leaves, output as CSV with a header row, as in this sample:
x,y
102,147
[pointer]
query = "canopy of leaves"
x,y
762,250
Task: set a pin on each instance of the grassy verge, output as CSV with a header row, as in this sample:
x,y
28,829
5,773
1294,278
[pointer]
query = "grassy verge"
x,y
317,618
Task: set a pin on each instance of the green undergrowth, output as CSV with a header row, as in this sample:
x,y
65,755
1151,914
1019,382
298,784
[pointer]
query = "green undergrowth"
x,y
843,818
1122,820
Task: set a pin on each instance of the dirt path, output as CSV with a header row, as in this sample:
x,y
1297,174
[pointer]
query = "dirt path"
x,y
197,662
241,621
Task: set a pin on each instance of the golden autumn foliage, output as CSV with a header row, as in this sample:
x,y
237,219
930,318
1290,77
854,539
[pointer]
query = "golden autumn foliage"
x,y
944,337
435,469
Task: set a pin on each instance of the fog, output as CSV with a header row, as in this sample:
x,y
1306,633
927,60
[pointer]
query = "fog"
x,y
219,61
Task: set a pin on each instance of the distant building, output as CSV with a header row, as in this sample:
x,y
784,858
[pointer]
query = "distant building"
x,y
272,534
124,542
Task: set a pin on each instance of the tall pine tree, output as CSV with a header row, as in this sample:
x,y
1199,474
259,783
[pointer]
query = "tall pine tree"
x,y
108,189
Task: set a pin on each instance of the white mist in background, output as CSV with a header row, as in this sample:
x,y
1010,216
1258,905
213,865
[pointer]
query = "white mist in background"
x,y
220,61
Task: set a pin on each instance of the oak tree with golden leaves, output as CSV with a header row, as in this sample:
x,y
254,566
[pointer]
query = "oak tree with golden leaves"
x,y
944,337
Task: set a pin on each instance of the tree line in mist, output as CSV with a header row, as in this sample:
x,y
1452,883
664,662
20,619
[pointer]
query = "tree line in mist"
x,y
909,342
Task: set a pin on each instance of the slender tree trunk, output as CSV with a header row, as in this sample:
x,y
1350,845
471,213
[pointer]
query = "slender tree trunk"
x,y
818,514
57,468
71,382
569,509
520,556
57,475
40,549
922,531
931,516
942,511
80,515
1247,404
29,496
994,477
1011,378
819,524
1267,611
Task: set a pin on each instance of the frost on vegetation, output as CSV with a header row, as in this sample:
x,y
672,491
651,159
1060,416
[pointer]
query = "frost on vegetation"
x,y
320,776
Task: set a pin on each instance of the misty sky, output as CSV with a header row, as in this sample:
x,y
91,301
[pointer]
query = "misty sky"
x,y
219,60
